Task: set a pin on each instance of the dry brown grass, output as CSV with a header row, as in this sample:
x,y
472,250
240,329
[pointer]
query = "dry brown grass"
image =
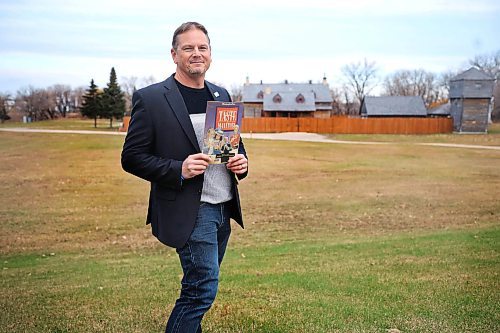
x,y
295,190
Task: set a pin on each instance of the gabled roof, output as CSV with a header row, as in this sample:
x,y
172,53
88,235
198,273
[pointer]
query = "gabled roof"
x,y
393,106
289,102
321,91
472,74
441,110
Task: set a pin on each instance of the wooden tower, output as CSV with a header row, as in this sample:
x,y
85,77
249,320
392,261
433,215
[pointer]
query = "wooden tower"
x,y
470,98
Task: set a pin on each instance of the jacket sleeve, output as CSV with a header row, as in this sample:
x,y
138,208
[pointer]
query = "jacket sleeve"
x,y
138,156
241,150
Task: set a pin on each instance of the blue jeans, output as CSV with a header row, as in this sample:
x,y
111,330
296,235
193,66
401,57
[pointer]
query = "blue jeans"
x,y
200,260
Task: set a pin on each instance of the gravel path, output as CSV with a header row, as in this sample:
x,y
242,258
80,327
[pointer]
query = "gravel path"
x,y
314,137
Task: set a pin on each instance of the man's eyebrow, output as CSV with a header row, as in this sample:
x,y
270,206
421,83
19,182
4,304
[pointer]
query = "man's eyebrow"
x,y
192,45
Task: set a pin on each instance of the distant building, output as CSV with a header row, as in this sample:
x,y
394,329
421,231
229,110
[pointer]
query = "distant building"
x,y
470,98
393,106
443,110
287,99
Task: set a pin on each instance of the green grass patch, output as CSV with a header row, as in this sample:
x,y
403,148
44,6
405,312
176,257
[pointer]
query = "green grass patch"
x,y
445,282
338,238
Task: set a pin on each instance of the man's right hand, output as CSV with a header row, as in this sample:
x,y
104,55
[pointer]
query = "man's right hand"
x,y
194,165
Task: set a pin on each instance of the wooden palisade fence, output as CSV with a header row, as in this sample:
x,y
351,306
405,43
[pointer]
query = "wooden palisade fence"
x,y
343,125
349,125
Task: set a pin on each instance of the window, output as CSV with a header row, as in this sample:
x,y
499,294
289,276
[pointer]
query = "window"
x,y
260,95
300,98
277,98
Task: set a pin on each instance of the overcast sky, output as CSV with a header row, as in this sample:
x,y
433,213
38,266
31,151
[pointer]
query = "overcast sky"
x,y
44,42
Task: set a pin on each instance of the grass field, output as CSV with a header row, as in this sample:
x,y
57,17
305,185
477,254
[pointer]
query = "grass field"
x,y
338,238
67,124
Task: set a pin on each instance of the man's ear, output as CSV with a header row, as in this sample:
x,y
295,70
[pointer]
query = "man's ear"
x,y
174,55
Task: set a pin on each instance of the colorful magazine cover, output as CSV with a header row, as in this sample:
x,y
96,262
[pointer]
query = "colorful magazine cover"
x,y
222,130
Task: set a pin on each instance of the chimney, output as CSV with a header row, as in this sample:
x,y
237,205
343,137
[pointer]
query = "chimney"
x,y
286,81
310,81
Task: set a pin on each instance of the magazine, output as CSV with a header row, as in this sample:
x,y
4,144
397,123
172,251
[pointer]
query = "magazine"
x,y
222,130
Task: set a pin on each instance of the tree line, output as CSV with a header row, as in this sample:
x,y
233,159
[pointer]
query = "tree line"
x,y
358,80
41,103
361,78
60,100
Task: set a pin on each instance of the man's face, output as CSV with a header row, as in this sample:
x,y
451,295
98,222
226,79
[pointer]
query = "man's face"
x,y
193,56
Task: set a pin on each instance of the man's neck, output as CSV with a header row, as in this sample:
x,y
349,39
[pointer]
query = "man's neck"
x,y
190,81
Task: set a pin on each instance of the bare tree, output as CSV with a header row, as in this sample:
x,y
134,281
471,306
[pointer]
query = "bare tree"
x,y
146,81
416,82
129,86
361,78
37,104
348,106
236,93
76,98
4,107
45,104
62,96
490,63
25,102
336,104
495,113
444,82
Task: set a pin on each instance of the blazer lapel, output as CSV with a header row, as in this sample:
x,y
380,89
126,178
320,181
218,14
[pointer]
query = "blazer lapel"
x,y
216,92
174,99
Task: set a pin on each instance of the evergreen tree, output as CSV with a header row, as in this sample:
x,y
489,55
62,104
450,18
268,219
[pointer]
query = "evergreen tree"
x,y
113,99
92,106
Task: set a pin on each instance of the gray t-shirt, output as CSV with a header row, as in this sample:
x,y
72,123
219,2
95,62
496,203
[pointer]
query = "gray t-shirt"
x,y
217,183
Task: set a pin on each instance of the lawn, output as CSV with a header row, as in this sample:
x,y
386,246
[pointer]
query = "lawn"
x,y
75,123
338,238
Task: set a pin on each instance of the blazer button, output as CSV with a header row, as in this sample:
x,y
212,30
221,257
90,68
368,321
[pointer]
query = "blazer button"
x,y
199,191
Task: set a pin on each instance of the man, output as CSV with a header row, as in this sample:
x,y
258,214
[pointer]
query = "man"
x,y
190,202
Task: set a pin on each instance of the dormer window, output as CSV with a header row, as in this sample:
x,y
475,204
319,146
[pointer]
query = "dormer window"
x,y
260,95
277,98
300,98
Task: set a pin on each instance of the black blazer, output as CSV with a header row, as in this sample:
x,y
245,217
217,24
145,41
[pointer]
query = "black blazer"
x,y
159,138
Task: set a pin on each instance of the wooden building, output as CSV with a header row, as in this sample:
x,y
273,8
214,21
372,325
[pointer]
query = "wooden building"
x,y
440,110
470,98
393,106
292,100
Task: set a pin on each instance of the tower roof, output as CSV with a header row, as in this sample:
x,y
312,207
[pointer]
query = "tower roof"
x,y
472,74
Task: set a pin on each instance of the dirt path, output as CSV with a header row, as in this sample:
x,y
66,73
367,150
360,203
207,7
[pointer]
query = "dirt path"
x,y
314,137
288,136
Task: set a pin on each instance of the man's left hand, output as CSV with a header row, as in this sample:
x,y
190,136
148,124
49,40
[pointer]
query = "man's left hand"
x,y
238,164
